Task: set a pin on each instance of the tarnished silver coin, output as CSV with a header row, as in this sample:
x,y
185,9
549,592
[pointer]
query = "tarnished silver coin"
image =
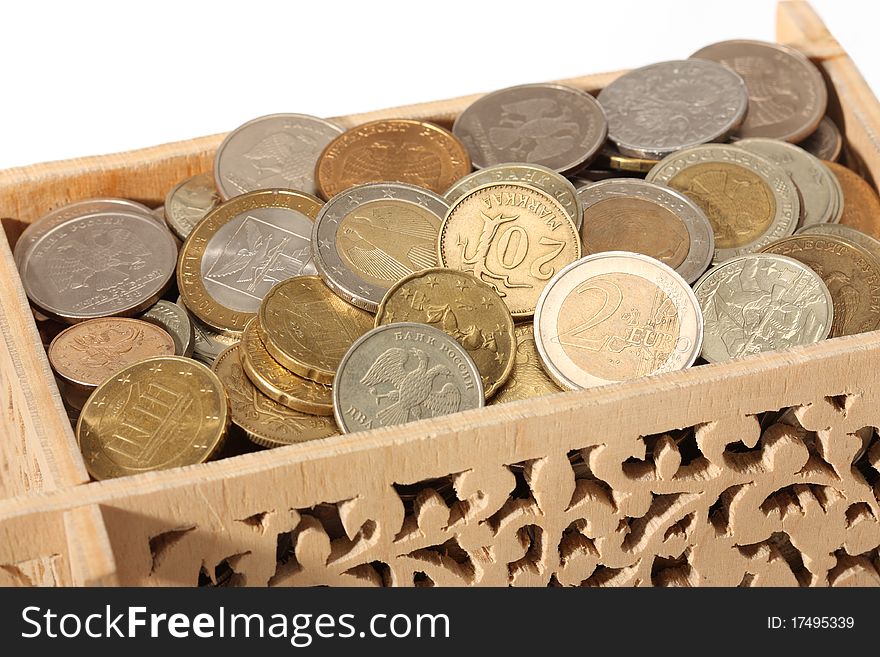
x,y
369,237
761,302
749,201
402,372
188,203
547,180
868,243
175,320
100,264
553,125
208,343
625,214
821,195
662,108
275,151
826,142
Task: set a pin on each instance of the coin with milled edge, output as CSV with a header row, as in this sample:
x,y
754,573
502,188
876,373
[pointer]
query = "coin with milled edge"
x,y
787,95
241,249
464,308
557,185
616,316
188,203
512,236
657,221
156,414
265,422
279,383
403,372
556,126
826,142
868,243
749,201
528,378
208,342
308,329
761,302
861,205
175,321
278,151
664,107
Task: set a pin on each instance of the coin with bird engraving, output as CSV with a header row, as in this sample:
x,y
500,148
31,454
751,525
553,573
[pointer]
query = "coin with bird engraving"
x,y
188,202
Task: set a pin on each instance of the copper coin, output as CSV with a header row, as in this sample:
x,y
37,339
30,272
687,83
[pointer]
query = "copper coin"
x,y
826,142
392,150
861,205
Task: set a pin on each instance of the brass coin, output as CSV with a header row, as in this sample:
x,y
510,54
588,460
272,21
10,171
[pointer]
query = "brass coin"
x,y
240,250
528,378
851,274
462,307
868,243
392,150
277,383
188,203
265,422
611,158
92,351
156,414
861,205
512,236
308,329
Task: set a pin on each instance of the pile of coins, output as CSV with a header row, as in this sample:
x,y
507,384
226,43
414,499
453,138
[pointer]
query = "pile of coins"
x,y
323,280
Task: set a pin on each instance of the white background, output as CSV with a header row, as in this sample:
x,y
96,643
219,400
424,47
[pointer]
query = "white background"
x,y
82,78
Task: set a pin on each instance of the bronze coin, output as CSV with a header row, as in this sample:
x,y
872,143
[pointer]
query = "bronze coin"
x,y
861,205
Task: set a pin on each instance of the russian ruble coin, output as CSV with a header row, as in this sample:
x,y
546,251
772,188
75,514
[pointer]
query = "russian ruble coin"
x,y
403,372
553,125
825,142
557,185
468,310
369,237
528,378
821,196
188,202
208,342
749,201
861,205
308,329
868,243
278,151
635,215
105,263
392,150
513,236
616,316
787,95
155,414
175,320
761,302
241,249
668,106
264,421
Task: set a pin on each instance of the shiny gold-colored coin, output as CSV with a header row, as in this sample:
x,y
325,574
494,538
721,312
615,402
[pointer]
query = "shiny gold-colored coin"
x,y
308,329
611,158
265,422
512,236
528,378
849,271
156,414
861,205
462,307
280,384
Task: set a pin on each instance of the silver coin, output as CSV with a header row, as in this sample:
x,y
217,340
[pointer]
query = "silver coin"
x,y
558,186
207,342
684,240
556,126
402,372
275,151
662,108
826,142
761,302
870,244
820,192
369,237
175,321
100,264
730,184
188,203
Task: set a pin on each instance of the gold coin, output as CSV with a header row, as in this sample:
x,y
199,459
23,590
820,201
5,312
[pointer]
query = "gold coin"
x,y
850,272
308,329
265,421
512,236
156,414
861,205
528,378
462,307
278,383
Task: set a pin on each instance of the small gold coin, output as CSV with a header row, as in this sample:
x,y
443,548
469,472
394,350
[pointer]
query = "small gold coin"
x,y
861,205
156,414
308,329
277,383
512,236
528,378
462,307
265,421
